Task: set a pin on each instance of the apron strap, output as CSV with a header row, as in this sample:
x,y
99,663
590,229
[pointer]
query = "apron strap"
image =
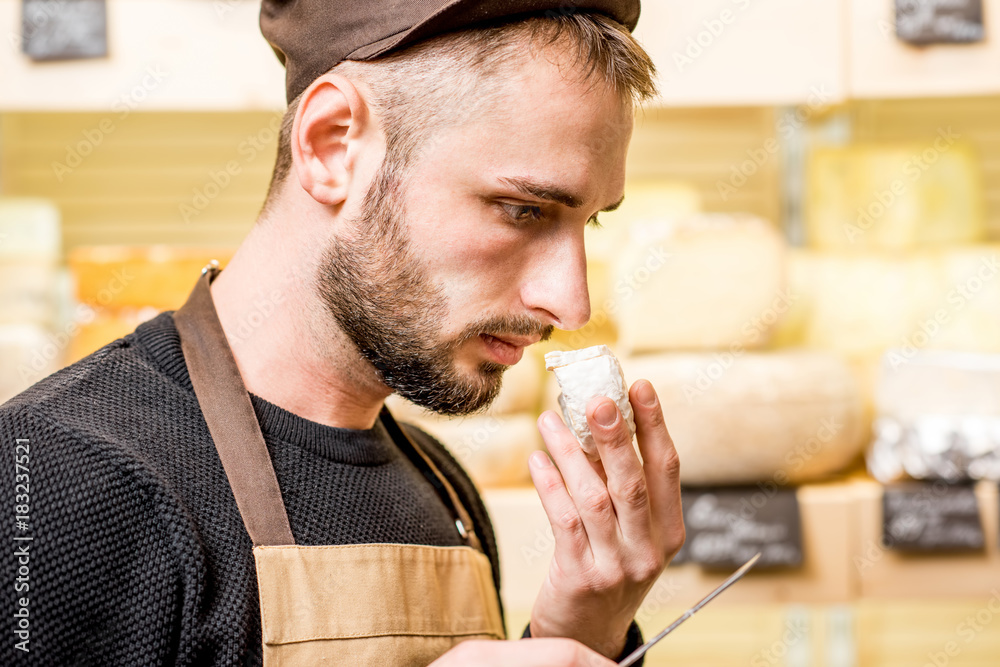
x,y
236,432
466,527
230,417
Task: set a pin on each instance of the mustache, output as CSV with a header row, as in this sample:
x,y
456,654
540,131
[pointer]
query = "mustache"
x,y
510,325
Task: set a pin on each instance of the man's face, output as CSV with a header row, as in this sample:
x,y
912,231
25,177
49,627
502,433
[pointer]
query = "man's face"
x,y
452,268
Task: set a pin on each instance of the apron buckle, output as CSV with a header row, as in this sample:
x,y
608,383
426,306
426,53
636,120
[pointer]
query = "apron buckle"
x,y
462,530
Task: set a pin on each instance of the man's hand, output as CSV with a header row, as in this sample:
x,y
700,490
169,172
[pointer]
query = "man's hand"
x,y
523,653
617,522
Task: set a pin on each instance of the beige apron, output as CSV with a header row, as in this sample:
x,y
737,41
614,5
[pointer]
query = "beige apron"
x,y
364,604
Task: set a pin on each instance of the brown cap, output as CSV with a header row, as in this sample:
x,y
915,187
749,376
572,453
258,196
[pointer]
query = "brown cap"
x,y
311,36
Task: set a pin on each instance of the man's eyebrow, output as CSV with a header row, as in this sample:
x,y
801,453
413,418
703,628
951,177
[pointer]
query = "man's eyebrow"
x,y
550,193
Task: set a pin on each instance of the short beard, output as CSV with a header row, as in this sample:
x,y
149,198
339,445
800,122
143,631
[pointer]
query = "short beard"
x,y
382,300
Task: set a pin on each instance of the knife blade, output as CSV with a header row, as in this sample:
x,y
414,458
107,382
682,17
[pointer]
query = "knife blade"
x,y
736,576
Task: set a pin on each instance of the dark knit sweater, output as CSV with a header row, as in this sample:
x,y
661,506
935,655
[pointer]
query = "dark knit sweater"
x,y
139,555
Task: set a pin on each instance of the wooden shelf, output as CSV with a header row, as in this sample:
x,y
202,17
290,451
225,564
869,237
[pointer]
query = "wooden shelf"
x,y
844,562
195,55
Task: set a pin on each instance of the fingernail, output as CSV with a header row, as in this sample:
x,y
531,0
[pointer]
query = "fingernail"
x,y
540,460
606,414
550,421
646,394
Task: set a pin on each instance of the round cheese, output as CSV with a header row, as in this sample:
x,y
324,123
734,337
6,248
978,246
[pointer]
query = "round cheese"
x,y
700,282
783,417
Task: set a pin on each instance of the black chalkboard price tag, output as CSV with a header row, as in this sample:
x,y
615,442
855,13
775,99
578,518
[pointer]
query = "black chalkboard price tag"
x,y
931,517
64,29
923,22
727,525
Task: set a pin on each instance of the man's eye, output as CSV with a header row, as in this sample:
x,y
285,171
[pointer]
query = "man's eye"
x,y
521,213
595,223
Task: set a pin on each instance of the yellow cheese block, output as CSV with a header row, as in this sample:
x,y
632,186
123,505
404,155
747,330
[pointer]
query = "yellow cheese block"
x,y
158,276
861,304
701,282
894,196
780,417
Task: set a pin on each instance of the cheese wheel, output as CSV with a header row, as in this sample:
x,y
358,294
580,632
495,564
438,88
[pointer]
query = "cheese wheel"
x,y
894,196
781,417
703,282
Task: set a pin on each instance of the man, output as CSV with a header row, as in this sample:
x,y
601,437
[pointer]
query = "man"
x,y
203,495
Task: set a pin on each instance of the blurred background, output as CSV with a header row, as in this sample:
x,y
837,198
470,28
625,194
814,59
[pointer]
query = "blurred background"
x,y
806,267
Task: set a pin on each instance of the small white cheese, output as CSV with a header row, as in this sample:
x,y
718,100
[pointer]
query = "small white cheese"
x,y
582,375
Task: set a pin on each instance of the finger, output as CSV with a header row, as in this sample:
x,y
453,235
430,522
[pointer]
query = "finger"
x,y
662,466
589,492
572,545
626,479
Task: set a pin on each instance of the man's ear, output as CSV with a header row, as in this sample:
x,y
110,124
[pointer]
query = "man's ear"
x,y
330,123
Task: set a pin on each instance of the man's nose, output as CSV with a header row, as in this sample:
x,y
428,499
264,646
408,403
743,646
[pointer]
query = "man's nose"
x,y
556,289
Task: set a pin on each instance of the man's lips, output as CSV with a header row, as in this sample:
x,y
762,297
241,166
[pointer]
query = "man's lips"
x,y
517,341
506,350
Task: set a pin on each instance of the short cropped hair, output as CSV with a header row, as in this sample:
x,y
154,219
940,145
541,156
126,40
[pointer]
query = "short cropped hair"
x,y
446,79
